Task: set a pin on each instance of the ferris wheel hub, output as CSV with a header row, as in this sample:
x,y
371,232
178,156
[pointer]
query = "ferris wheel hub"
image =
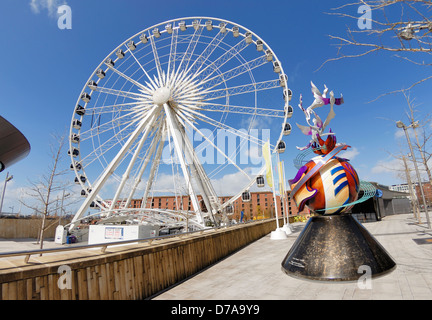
x,y
161,96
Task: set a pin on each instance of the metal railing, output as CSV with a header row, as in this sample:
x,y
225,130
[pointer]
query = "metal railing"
x,y
104,246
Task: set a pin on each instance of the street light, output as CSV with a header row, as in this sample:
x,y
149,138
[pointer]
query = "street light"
x,y
408,32
414,199
8,178
400,124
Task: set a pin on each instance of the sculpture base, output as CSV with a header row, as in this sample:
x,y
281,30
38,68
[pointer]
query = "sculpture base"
x,y
333,248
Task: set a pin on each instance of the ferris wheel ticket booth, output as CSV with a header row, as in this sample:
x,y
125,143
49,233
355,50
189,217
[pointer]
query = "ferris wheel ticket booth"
x,y
99,234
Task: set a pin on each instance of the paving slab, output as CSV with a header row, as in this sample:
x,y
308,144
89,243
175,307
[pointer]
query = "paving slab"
x,y
254,273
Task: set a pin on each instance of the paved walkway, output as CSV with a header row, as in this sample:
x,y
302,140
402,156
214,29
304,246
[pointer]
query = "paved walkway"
x,y
12,245
254,273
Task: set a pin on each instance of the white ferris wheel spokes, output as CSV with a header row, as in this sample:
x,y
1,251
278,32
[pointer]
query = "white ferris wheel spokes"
x,y
130,131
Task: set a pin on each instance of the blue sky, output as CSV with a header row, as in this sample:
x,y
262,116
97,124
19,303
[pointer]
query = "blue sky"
x,y
43,70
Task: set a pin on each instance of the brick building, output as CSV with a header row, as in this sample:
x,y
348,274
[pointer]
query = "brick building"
x,y
260,206
427,189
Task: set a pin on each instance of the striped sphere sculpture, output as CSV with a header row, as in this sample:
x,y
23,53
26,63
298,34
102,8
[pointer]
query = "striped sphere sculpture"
x,y
330,190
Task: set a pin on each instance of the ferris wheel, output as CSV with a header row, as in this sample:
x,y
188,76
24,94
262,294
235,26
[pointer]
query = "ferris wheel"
x,y
139,114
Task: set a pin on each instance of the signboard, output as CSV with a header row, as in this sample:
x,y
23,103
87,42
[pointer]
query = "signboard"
x,y
116,233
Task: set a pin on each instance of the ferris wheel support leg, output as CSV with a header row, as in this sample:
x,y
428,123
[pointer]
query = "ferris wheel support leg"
x,y
143,167
153,169
131,164
178,147
207,192
110,169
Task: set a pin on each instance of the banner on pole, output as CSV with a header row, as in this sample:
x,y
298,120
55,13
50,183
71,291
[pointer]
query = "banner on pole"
x,y
281,179
276,174
268,162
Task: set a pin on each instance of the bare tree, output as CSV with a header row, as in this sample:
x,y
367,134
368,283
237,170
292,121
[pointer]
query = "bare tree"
x,y
425,134
421,144
43,194
399,27
405,172
399,167
412,191
425,141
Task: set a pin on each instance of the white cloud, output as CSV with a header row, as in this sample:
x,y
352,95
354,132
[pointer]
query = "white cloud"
x,y
388,166
167,184
50,5
399,134
230,184
350,153
253,155
16,193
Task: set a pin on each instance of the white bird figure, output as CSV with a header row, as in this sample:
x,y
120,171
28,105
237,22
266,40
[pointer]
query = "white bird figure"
x,y
331,114
316,129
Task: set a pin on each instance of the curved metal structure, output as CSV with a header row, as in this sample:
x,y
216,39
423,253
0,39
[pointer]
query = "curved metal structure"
x,y
14,146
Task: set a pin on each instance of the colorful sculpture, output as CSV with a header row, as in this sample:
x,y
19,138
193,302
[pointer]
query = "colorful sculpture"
x,y
333,245
326,184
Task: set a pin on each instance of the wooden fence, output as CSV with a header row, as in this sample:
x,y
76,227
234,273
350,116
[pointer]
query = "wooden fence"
x,y
27,228
130,273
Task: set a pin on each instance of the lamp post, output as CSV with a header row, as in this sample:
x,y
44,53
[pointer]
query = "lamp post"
x,y
8,178
400,124
414,199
